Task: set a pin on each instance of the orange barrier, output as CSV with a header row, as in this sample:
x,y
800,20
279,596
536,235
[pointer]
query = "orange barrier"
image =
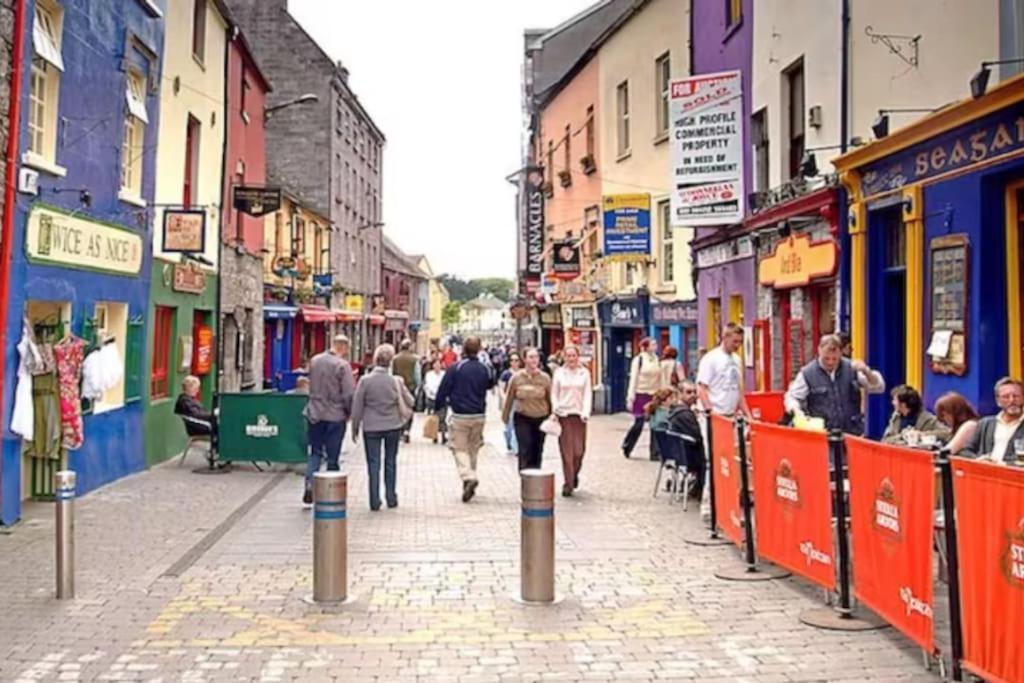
x,y
892,497
766,406
990,538
792,499
726,472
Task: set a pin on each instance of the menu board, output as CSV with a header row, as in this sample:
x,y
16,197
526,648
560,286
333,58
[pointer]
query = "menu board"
x,y
949,261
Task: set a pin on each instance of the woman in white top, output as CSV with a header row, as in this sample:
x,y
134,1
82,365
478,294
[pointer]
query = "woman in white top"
x,y
571,400
431,383
644,380
954,411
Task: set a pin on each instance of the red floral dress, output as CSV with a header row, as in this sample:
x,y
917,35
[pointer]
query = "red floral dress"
x,y
70,355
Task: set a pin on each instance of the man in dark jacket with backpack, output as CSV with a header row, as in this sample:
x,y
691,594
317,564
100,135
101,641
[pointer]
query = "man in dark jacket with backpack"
x,y
464,391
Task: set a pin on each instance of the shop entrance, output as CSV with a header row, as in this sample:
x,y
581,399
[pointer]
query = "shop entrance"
x,y
622,344
887,314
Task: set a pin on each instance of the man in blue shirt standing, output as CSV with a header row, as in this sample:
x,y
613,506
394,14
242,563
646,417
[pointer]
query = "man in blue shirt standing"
x,y
464,390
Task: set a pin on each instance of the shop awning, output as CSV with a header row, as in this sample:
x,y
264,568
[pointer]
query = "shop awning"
x,y
396,314
346,316
376,319
311,313
279,312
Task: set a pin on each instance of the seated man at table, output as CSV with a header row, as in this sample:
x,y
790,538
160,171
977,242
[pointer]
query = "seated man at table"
x,y
198,420
1001,437
830,386
910,422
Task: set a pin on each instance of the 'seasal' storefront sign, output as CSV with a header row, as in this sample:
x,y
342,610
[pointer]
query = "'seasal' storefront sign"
x,y
706,114
58,239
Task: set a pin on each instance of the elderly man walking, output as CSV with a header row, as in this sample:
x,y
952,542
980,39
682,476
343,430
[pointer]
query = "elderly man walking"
x,y
464,390
331,387
830,387
406,365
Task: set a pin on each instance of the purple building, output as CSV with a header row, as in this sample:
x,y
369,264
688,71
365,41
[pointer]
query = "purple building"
x,y
723,40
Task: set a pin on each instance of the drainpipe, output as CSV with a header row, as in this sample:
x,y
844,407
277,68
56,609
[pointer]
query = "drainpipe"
x,y
842,308
13,136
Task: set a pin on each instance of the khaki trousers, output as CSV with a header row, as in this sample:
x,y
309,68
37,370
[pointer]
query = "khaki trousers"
x,y
465,438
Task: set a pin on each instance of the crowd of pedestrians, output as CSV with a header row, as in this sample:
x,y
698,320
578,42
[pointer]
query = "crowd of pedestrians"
x,y
538,399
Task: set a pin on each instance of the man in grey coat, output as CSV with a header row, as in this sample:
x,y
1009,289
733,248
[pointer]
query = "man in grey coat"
x,y
997,436
331,387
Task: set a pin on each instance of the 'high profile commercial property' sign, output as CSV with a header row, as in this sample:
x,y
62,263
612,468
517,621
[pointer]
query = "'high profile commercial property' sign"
x,y
706,114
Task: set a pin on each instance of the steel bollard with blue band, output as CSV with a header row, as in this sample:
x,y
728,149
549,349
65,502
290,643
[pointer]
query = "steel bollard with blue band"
x,y
330,537
537,545
64,483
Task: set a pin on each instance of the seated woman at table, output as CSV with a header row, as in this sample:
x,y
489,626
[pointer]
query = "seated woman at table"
x,y
956,412
910,422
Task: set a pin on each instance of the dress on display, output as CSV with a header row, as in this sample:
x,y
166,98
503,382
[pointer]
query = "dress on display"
x,y
70,355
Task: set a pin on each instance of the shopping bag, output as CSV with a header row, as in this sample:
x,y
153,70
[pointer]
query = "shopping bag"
x,y
430,427
551,426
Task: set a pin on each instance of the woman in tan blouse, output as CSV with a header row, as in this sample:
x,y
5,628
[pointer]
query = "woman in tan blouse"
x,y
529,392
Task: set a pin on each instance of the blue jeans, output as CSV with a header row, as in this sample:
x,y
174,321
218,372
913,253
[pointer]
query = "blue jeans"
x,y
371,444
510,437
324,440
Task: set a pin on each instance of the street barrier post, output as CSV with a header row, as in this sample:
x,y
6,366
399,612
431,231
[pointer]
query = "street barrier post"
x,y
330,537
537,540
64,485
952,564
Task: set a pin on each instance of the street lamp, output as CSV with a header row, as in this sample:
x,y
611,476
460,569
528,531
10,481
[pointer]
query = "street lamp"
x,y
979,82
301,99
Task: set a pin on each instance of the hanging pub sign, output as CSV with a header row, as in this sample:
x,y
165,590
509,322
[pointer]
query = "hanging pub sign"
x,y
533,228
566,261
581,317
284,265
378,303
354,302
184,231
706,113
188,278
257,201
627,227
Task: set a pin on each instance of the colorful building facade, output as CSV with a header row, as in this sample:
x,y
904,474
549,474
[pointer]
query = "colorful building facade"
x,y
80,260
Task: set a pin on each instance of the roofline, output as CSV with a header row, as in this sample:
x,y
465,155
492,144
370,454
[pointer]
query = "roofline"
x,y
575,19
247,55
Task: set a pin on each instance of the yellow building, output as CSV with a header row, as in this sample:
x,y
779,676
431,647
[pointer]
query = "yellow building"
x,y
437,295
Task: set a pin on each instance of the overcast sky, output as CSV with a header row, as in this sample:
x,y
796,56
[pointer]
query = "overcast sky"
x,y
441,79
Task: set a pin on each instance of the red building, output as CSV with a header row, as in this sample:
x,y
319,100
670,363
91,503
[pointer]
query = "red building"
x,y
241,279
401,283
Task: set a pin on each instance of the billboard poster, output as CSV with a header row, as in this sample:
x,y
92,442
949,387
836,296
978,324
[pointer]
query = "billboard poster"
x,y
706,114
627,227
533,228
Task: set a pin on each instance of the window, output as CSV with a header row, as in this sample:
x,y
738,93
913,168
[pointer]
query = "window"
x,y
111,327
590,131
339,178
551,161
199,29
667,261
280,238
795,92
662,80
733,12
321,252
163,335
714,319
244,99
759,134
44,83
239,181
568,153
190,192
622,111
299,237
134,136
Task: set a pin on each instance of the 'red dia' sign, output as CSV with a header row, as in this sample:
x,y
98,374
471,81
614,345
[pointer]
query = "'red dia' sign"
x,y
796,261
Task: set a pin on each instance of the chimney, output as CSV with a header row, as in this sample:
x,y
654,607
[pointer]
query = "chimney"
x,y
342,71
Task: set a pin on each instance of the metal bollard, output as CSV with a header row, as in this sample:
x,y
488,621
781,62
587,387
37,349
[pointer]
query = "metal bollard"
x,y
330,537
64,484
537,544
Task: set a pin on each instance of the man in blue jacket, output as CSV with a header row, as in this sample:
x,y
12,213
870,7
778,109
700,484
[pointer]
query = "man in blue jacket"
x,y
464,390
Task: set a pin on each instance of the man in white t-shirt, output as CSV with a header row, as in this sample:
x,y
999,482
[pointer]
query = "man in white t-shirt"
x,y
720,387
720,375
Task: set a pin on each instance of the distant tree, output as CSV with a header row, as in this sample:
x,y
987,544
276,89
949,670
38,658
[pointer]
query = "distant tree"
x,y
450,314
458,289
498,286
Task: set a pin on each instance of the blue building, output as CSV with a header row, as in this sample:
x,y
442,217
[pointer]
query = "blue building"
x,y
80,270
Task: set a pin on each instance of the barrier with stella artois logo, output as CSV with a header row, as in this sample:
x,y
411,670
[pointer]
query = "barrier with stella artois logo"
x,y
892,498
726,471
990,540
794,506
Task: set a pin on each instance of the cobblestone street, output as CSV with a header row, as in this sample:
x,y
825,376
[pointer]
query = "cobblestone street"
x,y
185,577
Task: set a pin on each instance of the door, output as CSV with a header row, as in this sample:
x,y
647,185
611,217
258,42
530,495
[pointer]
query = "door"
x,y
619,354
887,312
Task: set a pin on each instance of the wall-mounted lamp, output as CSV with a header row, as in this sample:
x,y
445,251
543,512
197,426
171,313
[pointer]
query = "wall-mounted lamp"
x,y
880,127
301,99
979,81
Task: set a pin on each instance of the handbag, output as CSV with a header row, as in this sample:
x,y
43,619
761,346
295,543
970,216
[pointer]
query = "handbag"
x,y
404,409
431,426
551,426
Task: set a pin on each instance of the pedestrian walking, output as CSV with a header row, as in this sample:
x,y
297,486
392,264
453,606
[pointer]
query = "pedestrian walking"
x,y
331,387
515,364
406,366
377,409
957,413
830,386
529,403
644,380
464,392
1000,437
431,384
571,401
671,369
